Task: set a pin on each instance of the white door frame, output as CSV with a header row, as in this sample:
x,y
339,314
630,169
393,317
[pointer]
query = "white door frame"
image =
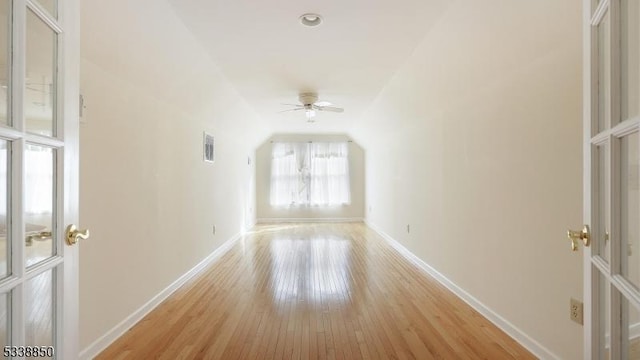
x,y
70,83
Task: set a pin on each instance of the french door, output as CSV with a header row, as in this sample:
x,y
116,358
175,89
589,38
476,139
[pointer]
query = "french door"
x,y
38,178
612,173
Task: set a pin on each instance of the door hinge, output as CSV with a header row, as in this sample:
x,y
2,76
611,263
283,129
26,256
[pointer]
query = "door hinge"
x,y
81,105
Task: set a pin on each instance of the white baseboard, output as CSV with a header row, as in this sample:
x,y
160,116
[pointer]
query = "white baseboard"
x,y
525,340
308,220
112,335
249,226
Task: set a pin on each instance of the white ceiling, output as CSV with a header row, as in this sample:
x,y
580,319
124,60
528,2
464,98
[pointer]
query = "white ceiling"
x,y
270,57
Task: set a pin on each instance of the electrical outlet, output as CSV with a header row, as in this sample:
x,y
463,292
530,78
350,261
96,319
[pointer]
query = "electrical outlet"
x,y
576,311
214,230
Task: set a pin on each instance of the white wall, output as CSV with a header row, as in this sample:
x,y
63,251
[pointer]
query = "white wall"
x,y
476,143
146,195
266,213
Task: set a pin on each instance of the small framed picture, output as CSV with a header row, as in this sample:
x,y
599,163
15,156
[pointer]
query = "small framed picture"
x,y
208,148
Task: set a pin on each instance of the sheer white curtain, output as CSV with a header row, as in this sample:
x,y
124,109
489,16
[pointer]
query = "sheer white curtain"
x,y
329,173
287,174
310,173
39,180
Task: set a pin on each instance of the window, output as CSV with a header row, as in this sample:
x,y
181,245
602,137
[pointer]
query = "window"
x,y
310,174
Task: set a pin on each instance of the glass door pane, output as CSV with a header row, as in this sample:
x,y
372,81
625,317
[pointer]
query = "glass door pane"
x,y
5,36
629,207
41,78
51,6
630,331
39,292
601,243
604,333
630,59
4,320
39,203
594,5
5,249
604,74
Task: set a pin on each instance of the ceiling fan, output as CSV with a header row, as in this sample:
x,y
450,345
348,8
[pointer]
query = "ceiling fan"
x,y
310,104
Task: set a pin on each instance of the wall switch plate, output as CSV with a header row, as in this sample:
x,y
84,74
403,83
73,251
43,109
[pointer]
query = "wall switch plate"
x,y
408,228
576,311
209,148
214,229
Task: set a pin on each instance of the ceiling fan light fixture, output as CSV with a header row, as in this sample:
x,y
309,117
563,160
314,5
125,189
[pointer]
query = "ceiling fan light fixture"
x,y
310,113
310,19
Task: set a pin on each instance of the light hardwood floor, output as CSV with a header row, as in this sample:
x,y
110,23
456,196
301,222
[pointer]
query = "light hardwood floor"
x,y
307,291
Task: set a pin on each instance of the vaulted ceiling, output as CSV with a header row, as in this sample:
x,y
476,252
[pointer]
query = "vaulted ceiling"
x,y
265,52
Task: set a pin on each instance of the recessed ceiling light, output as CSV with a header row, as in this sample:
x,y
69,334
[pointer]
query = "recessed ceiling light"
x,y
311,19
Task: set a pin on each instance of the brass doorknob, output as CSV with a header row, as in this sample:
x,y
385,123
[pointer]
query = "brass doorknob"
x,y
73,234
583,235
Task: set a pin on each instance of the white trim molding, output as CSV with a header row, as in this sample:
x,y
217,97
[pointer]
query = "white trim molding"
x,y
112,335
521,337
308,220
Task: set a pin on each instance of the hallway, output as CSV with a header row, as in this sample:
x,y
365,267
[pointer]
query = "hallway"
x,y
300,291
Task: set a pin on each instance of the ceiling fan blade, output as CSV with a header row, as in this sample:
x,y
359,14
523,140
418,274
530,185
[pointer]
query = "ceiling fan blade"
x,y
322,103
328,108
296,105
301,108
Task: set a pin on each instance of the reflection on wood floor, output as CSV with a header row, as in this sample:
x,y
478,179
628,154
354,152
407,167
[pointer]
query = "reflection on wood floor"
x,y
39,310
38,306
38,297
299,291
